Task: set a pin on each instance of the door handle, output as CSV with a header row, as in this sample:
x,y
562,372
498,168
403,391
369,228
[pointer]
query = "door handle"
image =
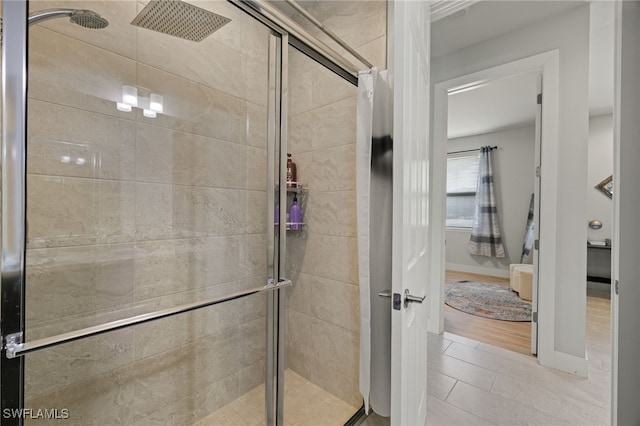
x,y
408,298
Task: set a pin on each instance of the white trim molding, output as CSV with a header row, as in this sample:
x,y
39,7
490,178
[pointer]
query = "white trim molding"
x,y
443,8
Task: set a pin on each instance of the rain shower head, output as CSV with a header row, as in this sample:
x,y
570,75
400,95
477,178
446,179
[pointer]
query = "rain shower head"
x,y
179,19
84,18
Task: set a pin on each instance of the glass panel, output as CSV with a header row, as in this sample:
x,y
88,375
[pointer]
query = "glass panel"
x,y
130,213
461,211
322,312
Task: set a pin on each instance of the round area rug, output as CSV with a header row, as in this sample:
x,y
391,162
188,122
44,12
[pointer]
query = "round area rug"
x,y
487,300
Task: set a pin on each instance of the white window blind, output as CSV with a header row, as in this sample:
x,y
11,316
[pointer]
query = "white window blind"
x,y
462,180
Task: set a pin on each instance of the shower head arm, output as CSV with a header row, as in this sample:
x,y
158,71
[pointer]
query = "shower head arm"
x,y
45,15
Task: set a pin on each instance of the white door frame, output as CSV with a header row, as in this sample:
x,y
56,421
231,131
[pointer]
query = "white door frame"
x,y
547,64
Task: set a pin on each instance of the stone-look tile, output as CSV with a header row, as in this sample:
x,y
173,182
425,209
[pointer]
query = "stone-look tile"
x,y
438,342
300,294
257,212
256,169
299,333
440,413
324,256
61,211
439,385
327,88
336,302
117,37
332,213
376,52
66,141
196,405
461,339
491,407
334,169
61,366
194,108
68,71
173,266
116,214
103,399
547,400
463,371
300,134
208,62
256,123
300,90
520,369
256,80
252,376
251,342
167,156
253,258
183,371
328,378
78,280
336,347
166,211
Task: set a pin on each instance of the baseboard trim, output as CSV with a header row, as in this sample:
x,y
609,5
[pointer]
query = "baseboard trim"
x,y
569,364
502,273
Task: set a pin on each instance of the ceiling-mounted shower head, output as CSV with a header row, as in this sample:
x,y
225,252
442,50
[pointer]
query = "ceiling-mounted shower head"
x,y
84,18
179,19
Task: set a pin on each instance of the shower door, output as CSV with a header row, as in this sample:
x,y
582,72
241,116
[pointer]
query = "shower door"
x,y
138,282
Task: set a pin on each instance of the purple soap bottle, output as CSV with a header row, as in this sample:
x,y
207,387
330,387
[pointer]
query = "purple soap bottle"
x,y
295,214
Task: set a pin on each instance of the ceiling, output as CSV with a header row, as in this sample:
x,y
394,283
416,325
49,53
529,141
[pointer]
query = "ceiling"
x,y
511,102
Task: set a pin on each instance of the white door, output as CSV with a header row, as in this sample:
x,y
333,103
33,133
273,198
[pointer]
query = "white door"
x,y
626,209
536,219
410,76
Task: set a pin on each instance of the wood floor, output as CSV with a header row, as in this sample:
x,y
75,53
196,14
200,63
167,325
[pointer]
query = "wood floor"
x,y
515,336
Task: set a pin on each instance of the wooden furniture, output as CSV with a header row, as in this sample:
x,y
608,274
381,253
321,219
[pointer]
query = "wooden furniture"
x,y
599,263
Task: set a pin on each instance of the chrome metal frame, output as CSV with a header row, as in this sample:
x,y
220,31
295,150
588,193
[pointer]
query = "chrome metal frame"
x,y
16,348
300,38
12,263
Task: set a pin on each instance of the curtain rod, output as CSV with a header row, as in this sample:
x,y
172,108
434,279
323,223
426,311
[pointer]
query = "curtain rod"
x,y
470,150
328,32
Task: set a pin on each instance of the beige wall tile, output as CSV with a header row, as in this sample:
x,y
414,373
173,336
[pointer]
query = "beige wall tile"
x,y
257,212
97,400
193,107
173,266
336,347
169,156
67,141
71,72
300,294
165,211
336,303
183,371
118,37
334,169
93,278
332,213
253,258
58,367
256,123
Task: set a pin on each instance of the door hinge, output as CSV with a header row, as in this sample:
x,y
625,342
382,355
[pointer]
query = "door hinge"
x,y
538,171
535,317
536,244
617,287
539,99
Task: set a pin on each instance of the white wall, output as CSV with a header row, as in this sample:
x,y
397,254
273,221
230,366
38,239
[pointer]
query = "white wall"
x,y
514,174
569,34
600,166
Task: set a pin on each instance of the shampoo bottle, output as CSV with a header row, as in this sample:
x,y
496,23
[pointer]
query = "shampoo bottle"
x,y
292,175
295,213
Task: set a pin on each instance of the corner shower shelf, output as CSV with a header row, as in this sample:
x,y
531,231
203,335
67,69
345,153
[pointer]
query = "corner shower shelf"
x,y
301,191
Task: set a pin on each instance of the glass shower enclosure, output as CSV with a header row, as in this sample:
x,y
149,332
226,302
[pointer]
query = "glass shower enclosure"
x,y
141,268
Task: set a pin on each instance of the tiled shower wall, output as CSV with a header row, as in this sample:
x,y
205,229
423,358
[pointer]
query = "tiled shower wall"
x,y
129,214
323,316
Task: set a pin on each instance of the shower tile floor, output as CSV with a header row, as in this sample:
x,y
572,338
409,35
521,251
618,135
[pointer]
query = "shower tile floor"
x,y
305,405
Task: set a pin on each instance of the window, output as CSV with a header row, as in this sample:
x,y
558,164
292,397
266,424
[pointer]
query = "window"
x,y
462,180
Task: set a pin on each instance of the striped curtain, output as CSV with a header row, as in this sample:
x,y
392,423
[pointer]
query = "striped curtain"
x,y
527,244
485,233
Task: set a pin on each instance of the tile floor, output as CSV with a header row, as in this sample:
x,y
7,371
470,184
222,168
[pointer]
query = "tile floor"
x,y
305,405
473,383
